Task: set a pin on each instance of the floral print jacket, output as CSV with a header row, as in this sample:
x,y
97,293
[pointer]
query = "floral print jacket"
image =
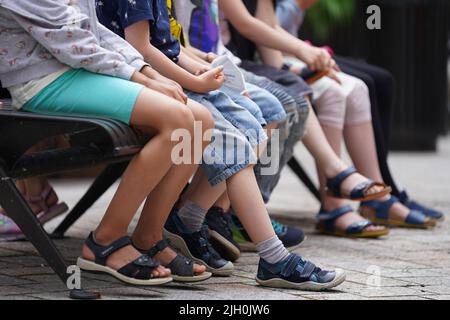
x,y
39,37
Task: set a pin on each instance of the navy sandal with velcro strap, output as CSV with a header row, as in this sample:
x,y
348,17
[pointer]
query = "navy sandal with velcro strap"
x,y
327,225
296,273
137,272
359,193
378,212
182,268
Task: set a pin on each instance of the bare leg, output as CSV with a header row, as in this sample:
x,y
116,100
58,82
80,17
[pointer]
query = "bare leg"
x,y
326,159
360,144
334,137
159,203
249,206
224,202
161,115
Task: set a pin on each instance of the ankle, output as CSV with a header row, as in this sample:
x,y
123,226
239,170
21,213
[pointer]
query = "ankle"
x,y
105,237
334,168
144,243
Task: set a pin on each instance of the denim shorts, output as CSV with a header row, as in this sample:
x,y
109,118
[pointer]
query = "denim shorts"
x,y
230,150
242,117
290,131
271,108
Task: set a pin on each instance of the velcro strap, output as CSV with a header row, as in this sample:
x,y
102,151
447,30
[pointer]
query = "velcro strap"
x,y
307,270
291,265
182,266
333,215
102,253
360,190
146,261
160,246
334,184
358,227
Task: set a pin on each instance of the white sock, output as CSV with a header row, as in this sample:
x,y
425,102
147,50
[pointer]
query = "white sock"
x,y
272,250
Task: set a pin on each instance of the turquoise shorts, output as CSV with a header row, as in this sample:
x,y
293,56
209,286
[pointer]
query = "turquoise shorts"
x,y
82,93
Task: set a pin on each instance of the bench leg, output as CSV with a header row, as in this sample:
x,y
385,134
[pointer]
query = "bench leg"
x,y
18,210
96,190
303,176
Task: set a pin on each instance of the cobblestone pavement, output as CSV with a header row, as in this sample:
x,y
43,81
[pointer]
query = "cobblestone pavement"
x,y
411,264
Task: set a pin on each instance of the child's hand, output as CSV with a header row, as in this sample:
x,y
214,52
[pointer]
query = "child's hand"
x,y
155,81
317,59
332,74
169,89
211,80
210,57
202,69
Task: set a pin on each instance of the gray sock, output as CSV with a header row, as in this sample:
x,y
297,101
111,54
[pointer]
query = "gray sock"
x,y
272,250
192,216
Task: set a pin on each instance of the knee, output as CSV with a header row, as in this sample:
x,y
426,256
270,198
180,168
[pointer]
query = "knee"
x,y
202,115
182,118
331,107
358,105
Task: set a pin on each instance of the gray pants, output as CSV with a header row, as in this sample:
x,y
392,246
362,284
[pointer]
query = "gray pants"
x,y
292,97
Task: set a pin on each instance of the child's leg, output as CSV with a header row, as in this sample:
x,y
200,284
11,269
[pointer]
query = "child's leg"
x,y
332,111
249,206
360,142
161,115
149,229
326,159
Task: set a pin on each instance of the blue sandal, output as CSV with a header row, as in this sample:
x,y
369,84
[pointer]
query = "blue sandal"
x,y
378,212
137,272
327,225
413,205
296,273
359,193
182,268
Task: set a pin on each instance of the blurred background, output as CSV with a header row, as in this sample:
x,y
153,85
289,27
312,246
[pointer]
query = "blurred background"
x,y
413,43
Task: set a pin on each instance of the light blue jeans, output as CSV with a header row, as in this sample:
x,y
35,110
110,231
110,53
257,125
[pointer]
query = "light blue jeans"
x,y
236,134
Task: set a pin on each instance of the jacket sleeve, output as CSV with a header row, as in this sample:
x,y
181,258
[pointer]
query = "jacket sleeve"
x,y
110,40
66,34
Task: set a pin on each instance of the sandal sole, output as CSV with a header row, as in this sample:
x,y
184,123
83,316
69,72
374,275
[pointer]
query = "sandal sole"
x,y
305,286
201,277
399,224
367,235
226,249
178,243
53,212
93,267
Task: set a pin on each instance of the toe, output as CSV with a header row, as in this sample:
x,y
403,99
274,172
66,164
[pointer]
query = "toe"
x,y
199,269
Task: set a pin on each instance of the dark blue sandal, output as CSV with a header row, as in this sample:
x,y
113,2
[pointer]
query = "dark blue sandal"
x,y
413,205
359,193
137,272
296,273
378,212
182,268
327,225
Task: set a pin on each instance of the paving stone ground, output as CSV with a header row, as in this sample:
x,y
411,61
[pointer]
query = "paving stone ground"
x,y
409,264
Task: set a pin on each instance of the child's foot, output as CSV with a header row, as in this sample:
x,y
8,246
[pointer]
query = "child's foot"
x,y
413,205
196,246
182,268
121,260
390,211
221,235
349,184
338,219
45,206
296,273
